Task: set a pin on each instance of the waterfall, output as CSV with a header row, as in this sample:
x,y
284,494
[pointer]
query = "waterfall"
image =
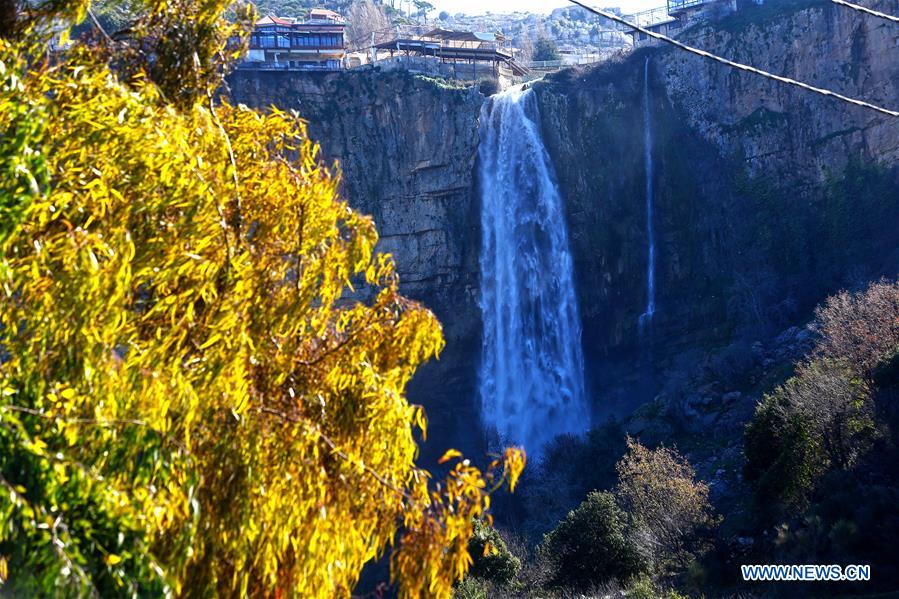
x,y
532,366
646,317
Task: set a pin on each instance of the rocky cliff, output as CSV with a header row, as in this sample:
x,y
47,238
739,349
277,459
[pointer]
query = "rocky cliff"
x,y
767,197
781,131
406,147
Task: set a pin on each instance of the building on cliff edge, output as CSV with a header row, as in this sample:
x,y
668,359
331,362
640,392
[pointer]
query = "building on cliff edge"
x,y
466,55
284,43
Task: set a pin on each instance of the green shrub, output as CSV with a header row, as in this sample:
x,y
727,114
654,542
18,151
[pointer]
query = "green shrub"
x,y
546,50
644,588
589,547
491,559
886,373
470,588
782,456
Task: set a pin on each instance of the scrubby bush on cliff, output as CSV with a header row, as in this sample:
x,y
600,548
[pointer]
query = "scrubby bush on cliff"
x,y
824,418
669,510
819,420
589,547
471,588
860,328
645,588
782,456
815,449
834,403
189,404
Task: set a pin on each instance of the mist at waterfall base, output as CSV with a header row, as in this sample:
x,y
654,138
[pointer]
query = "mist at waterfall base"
x,y
531,379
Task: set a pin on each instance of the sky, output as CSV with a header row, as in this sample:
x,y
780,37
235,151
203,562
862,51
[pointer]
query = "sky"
x,y
475,7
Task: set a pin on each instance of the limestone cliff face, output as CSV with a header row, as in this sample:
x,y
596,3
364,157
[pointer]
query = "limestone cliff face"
x,y
406,147
779,130
767,198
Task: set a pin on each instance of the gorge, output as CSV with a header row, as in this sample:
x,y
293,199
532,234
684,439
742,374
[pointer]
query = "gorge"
x,y
767,199
287,317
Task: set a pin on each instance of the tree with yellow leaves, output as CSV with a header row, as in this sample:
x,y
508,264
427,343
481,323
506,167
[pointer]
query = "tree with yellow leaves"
x,y
192,404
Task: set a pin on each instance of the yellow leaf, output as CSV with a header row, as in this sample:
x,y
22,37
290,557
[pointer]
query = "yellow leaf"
x,y
450,454
112,559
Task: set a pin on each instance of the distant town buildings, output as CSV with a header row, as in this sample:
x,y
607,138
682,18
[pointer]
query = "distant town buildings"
x,y
318,43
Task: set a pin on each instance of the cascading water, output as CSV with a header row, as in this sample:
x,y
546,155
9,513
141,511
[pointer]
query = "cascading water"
x,y
646,317
532,369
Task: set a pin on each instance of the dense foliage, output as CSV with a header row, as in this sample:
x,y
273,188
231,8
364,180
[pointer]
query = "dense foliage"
x,y
821,449
590,547
859,328
545,49
654,520
820,419
824,417
491,559
192,402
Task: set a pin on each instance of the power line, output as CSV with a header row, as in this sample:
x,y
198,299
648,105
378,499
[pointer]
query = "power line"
x,y
864,9
736,65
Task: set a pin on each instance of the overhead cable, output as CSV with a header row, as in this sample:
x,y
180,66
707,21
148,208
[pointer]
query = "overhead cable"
x,y
743,67
865,9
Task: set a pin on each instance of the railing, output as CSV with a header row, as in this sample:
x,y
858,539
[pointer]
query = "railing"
x,y
566,62
295,47
271,66
682,4
652,16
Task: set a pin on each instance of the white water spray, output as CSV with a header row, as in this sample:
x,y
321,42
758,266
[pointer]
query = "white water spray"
x,y
532,368
646,317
